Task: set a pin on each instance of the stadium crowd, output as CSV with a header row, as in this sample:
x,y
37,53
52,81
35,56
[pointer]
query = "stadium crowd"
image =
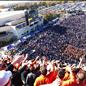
x,y
20,71
52,41
76,31
42,61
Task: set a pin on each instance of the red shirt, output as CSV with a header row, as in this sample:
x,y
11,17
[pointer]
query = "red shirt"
x,y
52,76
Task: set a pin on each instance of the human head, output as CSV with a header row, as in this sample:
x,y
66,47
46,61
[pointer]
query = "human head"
x,y
17,65
61,73
32,68
43,71
75,70
81,76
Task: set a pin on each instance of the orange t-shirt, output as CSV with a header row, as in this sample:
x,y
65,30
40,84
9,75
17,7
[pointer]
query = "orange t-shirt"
x,y
41,80
70,82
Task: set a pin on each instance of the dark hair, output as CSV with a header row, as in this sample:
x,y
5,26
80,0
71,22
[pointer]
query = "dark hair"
x,y
61,73
37,68
75,70
32,68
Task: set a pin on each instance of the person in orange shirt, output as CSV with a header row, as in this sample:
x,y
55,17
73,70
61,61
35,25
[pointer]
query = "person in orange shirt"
x,y
42,79
60,79
70,82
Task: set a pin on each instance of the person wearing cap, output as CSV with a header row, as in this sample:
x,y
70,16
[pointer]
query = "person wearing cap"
x,y
5,78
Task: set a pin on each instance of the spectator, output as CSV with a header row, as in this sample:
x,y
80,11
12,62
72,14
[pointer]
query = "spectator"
x,y
42,79
5,78
30,79
81,79
55,70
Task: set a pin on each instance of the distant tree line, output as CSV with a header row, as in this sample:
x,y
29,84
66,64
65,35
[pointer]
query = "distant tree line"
x,y
49,17
33,5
